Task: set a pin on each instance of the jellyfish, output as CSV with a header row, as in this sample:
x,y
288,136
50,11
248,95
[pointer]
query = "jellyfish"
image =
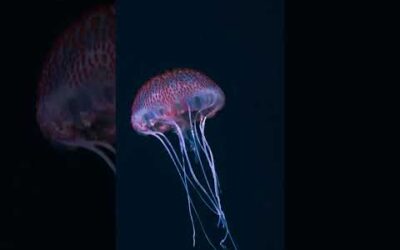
x,y
75,104
181,101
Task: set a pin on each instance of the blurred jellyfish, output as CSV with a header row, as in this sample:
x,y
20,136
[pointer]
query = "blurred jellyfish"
x,y
76,94
181,101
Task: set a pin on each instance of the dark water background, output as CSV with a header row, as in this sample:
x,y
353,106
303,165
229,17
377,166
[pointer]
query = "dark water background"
x,y
239,45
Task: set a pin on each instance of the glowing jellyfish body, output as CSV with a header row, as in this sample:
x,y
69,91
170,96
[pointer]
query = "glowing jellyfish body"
x,y
182,100
76,94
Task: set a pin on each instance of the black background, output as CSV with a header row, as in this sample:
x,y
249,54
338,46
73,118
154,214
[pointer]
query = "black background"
x,y
240,45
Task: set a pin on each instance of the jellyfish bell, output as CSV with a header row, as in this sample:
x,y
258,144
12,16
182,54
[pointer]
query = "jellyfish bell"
x,y
76,94
167,99
181,100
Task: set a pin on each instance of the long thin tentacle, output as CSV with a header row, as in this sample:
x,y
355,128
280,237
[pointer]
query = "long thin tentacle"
x,y
91,146
104,145
184,179
193,175
181,164
195,136
204,145
188,177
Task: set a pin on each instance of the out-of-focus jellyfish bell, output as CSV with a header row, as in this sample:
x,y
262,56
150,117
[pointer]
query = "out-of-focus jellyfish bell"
x,y
76,93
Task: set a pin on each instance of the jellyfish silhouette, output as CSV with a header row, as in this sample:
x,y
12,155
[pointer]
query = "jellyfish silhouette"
x,y
76,93
181,100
